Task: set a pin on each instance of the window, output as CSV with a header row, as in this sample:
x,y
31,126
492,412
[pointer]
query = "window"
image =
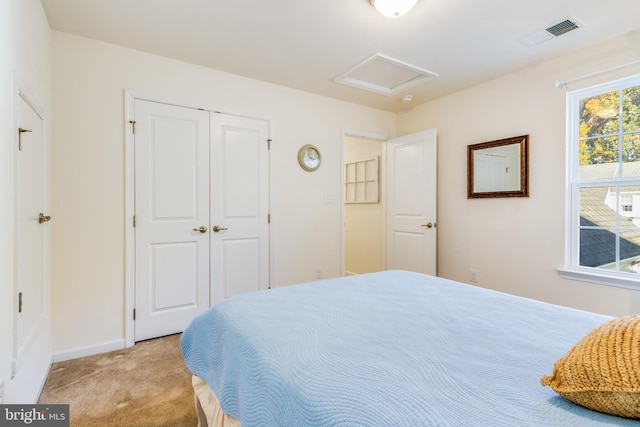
x,y
626,203
603,180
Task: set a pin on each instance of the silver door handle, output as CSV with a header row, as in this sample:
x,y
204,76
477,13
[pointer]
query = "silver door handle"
x,y
217,228
202,229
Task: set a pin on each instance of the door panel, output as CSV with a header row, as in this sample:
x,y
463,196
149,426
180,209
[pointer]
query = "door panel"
x,y
491,172
174,168
411,205
165,256
408,249
237,278
29,231
172,203
239,205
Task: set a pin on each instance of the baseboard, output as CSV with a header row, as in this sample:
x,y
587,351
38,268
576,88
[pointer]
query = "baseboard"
x,y
91,350
31,373
44,379
350,273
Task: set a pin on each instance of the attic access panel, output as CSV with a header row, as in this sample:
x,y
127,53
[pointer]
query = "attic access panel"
x,y
385,75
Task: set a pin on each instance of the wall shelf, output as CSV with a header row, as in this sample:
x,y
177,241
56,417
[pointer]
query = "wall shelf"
x,y
361,183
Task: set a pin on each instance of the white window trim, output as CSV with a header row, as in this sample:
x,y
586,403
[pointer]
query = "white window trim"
x,y
572,269
588,275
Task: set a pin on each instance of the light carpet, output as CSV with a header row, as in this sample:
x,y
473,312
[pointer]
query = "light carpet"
x,y
144,385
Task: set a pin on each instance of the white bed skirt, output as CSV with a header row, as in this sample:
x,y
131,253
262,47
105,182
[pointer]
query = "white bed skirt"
x,y
208,408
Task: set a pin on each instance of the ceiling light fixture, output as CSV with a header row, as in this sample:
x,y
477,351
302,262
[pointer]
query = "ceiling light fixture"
x,y
393,8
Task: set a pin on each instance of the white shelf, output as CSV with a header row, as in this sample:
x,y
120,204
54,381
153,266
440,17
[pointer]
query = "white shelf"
x,y
361,184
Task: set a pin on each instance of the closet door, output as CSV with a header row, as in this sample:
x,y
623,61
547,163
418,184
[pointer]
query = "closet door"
x,y
32,321
201,184
30,225
171,217
239,205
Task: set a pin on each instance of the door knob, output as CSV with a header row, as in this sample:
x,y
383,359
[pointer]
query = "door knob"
x,y
43,218
217,228
202,229
428,225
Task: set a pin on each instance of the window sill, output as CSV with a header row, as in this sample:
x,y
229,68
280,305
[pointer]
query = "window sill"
x,y
601,279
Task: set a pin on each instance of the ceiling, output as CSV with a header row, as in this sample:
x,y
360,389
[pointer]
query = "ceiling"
x,y
306,44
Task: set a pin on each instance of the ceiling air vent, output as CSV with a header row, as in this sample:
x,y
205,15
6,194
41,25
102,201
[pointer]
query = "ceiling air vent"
x,y
551,32
562,27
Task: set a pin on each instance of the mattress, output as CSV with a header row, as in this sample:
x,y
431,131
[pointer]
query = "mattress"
x,y
208,408
390,348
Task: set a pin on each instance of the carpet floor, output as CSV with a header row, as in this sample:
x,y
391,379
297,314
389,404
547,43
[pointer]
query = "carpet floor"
x,y
146,385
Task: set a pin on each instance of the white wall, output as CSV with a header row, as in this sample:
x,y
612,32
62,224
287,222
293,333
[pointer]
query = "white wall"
x,y
6,189
364,223
517,244
88,174
25,49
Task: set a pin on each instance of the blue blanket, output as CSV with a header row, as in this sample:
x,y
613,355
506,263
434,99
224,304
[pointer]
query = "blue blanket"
x,y
388,349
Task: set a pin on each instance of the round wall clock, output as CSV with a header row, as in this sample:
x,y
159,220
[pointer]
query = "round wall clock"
x,y
309,157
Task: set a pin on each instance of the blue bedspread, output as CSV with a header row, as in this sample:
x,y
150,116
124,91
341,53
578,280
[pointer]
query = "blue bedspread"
x,y
388,349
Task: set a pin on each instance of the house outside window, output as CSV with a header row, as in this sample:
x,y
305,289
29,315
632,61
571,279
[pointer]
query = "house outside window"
x,y
603,183
626,204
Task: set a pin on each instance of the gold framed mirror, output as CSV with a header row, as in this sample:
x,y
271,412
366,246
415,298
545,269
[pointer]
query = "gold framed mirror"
x,y
498,168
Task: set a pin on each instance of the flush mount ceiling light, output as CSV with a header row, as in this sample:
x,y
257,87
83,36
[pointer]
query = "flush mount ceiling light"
x,y
393,8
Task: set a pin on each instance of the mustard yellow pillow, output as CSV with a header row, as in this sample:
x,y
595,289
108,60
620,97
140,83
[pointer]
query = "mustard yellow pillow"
x,y
602,371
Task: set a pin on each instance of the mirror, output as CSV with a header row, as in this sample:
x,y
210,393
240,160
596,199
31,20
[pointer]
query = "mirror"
x,y
498,168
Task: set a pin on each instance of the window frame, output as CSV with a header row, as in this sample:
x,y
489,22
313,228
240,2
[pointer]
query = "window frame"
x,y
572,268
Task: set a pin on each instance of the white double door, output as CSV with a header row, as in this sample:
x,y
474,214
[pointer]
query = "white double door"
x,y
201,212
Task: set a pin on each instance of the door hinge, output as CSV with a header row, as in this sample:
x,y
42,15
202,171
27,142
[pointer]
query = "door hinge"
x,y
20,302
133,126
20,132
269,143
134,221
134,314
268,218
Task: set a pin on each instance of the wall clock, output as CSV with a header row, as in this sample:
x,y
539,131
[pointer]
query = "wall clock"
x,y
309,157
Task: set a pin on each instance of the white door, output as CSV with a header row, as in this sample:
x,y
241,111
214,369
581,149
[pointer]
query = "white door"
x,y
490,173
171,209
411,202
239,205
31,220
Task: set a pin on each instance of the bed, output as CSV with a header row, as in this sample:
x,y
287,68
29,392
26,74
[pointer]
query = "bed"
x,y
393,348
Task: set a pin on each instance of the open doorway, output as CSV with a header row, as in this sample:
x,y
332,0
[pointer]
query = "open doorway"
x,y
397,229
364,212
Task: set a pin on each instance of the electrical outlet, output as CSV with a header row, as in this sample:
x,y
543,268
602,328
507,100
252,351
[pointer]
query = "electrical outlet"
x,y
319,273
1,391
473,276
